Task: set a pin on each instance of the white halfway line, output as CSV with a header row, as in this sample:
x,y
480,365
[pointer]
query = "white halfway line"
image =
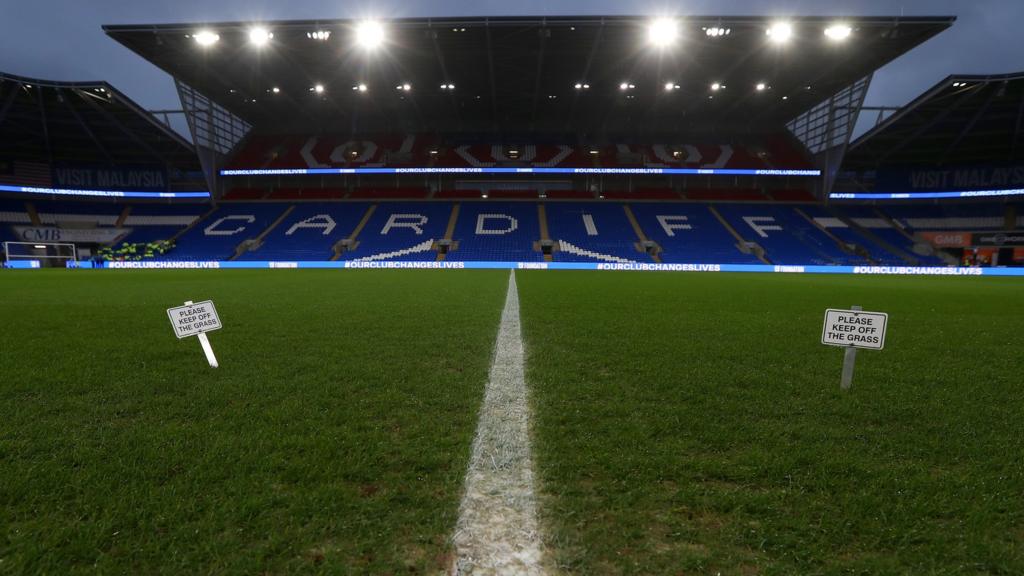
x,y
497,531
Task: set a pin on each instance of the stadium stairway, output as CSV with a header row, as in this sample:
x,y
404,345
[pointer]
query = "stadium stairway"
x,y
352,241
846,247
449,231
886,239
651,250
545,238
742,244
252,244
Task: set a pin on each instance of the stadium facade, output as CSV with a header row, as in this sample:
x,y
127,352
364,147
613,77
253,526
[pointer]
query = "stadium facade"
x,y
597,141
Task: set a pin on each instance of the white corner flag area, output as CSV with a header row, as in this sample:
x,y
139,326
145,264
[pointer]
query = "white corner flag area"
x,y
196,319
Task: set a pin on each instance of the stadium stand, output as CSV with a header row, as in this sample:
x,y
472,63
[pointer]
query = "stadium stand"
x,y
219,235
310,232
601,232
689,234
785,236
497,231
402,231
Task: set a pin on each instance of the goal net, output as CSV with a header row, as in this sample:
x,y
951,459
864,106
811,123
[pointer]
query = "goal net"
x,y
48,254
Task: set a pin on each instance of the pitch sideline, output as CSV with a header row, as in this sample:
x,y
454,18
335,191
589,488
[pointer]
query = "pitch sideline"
x,y
497,531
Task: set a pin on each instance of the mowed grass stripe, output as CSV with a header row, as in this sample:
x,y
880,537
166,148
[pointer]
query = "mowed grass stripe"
x,y
333,438
694,424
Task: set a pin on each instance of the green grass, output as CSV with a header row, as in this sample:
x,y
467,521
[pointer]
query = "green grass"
x,y
693,424
683,423
334,437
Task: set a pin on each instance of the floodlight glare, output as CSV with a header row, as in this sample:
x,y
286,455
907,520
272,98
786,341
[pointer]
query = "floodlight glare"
x,y
717,31
260,36
838,32
370,34
717,86
206,37
670,86
276,90
319,88
404,87
780,32
360,88
319,35
761,87
663,32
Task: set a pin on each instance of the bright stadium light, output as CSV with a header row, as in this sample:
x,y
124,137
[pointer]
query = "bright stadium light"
x,y
716,31
671,86
321,35
626,86
838,32
761,87
663,32
404,87
206,37
370,34
447,86
275,90
360,88
717,86
319,88
780,32
260,36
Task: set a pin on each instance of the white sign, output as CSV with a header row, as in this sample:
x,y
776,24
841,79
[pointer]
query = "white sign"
x,y
83,235
193,319
854,329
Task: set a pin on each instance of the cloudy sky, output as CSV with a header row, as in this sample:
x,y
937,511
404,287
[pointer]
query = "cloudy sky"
x,y
62,39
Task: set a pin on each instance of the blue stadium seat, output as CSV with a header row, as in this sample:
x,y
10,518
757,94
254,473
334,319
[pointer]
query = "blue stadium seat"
x,y
786,236
401,231
601,229
497,232
310,232
216,237
689,234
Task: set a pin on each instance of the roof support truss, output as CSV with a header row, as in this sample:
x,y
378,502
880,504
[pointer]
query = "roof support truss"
x,y
85,128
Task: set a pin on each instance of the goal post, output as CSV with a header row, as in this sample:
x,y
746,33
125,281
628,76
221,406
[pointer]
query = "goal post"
x,y
48,254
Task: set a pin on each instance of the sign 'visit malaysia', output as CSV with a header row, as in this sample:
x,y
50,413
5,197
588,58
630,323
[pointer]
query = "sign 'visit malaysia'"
x,y
854,329
94,177
952,178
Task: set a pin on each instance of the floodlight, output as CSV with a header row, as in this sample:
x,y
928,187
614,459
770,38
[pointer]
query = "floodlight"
x,y
670,86
761,87
717,31
838,32
319,35
663,32
404,87
780,32
447,86
275,90
716,86
370,34
260,36
319,88
206,37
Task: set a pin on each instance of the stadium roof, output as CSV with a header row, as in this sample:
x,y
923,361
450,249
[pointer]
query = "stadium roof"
x,y
516,74
84,122
961,120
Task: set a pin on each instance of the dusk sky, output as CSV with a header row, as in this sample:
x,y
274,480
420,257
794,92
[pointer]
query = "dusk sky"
x,y
62,39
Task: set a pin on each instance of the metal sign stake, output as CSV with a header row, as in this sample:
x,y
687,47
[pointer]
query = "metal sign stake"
x,y
849,360
207,347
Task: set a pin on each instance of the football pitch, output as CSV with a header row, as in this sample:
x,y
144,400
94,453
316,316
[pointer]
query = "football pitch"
x,y
681,423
